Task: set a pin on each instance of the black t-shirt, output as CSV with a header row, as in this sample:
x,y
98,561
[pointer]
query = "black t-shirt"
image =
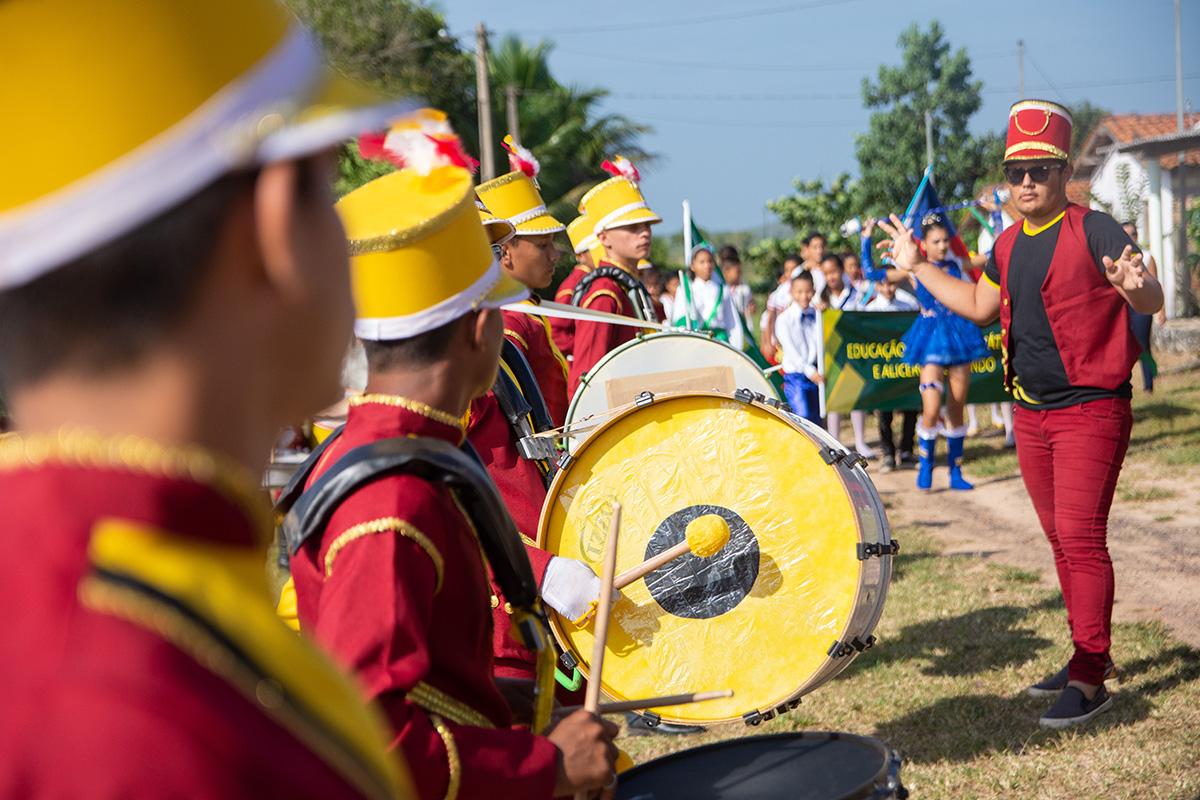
x,y
1039,378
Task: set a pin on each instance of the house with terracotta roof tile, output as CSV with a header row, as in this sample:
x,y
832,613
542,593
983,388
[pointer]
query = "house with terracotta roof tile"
x,y
1130,166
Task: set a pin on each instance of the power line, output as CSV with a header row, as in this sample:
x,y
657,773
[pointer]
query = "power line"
x,y
850,95
741,67
676,22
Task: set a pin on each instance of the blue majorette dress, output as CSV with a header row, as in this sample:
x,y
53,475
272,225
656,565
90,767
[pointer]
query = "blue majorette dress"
x,y
939,336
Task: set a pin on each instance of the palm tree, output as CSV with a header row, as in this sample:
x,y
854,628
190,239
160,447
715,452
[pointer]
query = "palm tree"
x,y
564,126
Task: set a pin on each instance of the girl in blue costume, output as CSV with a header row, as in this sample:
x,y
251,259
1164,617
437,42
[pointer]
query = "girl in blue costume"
x,y
942,344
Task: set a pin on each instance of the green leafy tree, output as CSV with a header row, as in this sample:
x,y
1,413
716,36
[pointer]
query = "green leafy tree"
x,y
1085,116
402,48
891,155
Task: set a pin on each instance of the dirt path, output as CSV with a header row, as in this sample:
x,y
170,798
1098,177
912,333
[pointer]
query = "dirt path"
x,y
1155,560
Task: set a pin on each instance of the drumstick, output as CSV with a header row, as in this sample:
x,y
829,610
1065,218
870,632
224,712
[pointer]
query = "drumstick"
x,y
591,700
704,538
653,702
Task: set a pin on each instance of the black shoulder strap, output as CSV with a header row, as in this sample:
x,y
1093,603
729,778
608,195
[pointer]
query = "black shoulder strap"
x,y
295,486
437,462
528,386
643,306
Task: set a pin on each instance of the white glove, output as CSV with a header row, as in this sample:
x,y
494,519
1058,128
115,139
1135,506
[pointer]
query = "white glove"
x,y
570,587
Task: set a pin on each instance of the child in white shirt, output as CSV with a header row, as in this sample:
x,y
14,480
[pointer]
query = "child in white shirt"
x,y
886,298
798,332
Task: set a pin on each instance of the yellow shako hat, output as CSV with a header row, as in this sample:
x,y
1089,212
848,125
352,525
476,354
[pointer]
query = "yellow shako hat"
x,y
499,230
419,254
579,231
617,201
515,195
117,111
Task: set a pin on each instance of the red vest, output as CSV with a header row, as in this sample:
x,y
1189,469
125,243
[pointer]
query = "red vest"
x,y
1088,317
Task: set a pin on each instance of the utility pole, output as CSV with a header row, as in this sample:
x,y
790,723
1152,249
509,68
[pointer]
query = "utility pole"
x,y
483,94
510,107
1186,305
928,139
1020,69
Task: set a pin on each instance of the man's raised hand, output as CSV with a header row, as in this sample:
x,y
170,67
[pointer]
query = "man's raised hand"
x,y
901,245
1127,272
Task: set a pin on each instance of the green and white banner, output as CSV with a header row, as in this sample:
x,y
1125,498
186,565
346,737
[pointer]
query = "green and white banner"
x,y
865,369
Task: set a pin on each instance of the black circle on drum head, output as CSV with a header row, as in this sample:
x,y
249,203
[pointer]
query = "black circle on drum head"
x,y
703,588
798,766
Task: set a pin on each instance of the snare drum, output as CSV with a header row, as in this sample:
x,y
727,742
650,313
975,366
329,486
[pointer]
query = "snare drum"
x,y
674,361
798,766
780,609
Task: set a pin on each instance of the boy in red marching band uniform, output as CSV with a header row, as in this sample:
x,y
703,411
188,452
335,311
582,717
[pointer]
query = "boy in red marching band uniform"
x,y
1062,284
588,253
395,584
173,289
528,254
622,225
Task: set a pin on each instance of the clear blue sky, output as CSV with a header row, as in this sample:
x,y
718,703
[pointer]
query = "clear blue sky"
x,y
746,96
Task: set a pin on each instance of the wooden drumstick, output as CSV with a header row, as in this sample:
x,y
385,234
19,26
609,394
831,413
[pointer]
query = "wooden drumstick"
x,y
622,706
591,700
704,538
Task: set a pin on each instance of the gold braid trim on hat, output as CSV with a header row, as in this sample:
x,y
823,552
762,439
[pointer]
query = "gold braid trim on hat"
x,y
138,454
396,239
1039,131
435,701
503,180
1054,152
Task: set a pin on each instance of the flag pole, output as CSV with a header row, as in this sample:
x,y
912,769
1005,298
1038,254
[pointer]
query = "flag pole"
x,y
687,258
821,363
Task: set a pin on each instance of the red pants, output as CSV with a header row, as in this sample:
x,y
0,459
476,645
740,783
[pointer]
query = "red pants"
x,y
1070,460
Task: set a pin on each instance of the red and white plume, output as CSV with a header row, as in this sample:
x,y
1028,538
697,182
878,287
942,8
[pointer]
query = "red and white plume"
x,y
420,142
521,159
622,167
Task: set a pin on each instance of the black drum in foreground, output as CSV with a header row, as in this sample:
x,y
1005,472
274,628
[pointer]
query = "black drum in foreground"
x,y
796,766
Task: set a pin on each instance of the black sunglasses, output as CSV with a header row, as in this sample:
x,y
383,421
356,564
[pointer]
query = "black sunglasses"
x,y
1040,174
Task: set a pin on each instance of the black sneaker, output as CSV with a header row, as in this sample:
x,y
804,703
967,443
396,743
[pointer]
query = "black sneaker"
x,y
1050,687
907,459
1073,708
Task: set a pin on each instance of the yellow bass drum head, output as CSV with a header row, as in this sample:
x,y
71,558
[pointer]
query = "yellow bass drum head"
x,y
762,615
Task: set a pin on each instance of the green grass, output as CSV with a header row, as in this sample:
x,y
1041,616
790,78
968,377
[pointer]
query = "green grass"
x,y
1144,494
959,640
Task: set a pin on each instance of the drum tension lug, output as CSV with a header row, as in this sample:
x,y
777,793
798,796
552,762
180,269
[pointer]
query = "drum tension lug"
x,y
568,662
860,645
890,548
652,720
756,718
643,399
831,456
564,460
839,650
744,395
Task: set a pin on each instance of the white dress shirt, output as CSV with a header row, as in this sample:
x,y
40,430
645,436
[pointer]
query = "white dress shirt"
x,y
708,296
799,334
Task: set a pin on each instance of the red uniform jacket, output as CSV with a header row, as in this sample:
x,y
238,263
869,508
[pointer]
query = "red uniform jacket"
x,y
1088,317
563,330
120,680
594,340
397,589
520,483
532,336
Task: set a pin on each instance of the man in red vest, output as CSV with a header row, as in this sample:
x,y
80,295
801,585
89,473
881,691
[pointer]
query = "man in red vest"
x,y
1062,284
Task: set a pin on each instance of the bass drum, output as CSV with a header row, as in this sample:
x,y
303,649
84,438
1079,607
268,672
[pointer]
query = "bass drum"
x,y
782,608
674,361
796,766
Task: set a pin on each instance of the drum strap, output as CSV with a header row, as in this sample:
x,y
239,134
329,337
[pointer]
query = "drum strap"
x,y
643,306
459,470
295,487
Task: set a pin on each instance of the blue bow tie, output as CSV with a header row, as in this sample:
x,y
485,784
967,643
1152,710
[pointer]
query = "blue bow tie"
x,y
809,316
